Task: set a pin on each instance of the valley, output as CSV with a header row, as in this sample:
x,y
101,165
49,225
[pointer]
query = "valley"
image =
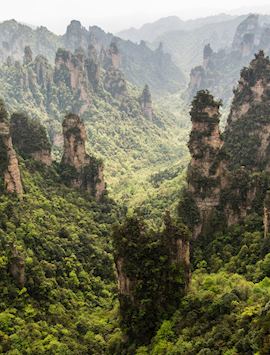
x,y
134,188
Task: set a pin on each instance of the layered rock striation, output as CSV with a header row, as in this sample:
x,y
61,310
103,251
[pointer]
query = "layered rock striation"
x,y
228,176
220,69
9,166
153,273
206,168
78,168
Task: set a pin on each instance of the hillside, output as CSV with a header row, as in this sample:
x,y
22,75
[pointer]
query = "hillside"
x,y
135,221
219,69
151,31
186,47
140,64
226,206
132,144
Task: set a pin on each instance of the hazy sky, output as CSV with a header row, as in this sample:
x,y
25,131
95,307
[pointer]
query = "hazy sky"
x,y
114,15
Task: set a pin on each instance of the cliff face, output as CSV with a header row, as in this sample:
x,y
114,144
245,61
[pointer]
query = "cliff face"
x,y
205,168
228,177
71,68
147,297
115,83
78,168
146,102
140,64
220,70
9,167
30,138
249,111
247,35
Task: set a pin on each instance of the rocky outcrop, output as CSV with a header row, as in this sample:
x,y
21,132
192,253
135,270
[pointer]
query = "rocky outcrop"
x,y
111,57
115,83
220,69
146,102
140,64
71,69
249,112
44,73
205,168
28,55
80,170
228,177
76,36
93,66
30,138
196,81
9,166
246,35
155,294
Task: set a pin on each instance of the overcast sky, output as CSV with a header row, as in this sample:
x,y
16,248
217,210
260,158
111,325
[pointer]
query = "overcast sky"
x,y
114,15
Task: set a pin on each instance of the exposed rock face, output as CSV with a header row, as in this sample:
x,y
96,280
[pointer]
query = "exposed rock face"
x,y
246,35
76,36
9,166
247,141
220,70
146,102
71,68
79,169
228,178
28,55
204,171
30,138
111,57
44,73
196,81
125,285
74,142
115,83
249,110
163,285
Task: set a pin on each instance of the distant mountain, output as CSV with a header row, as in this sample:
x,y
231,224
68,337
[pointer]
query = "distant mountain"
x,y
151,31
186,46
218,70
140,64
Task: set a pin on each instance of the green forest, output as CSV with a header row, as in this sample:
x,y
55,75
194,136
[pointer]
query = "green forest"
x,y
135,200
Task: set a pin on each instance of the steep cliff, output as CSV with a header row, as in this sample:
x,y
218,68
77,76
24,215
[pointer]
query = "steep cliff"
x,y
30,138
153,272
247,35
9,167
228,177
80,170
248,118
71,68
146,102
118,130
140,64
205,169
219,71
